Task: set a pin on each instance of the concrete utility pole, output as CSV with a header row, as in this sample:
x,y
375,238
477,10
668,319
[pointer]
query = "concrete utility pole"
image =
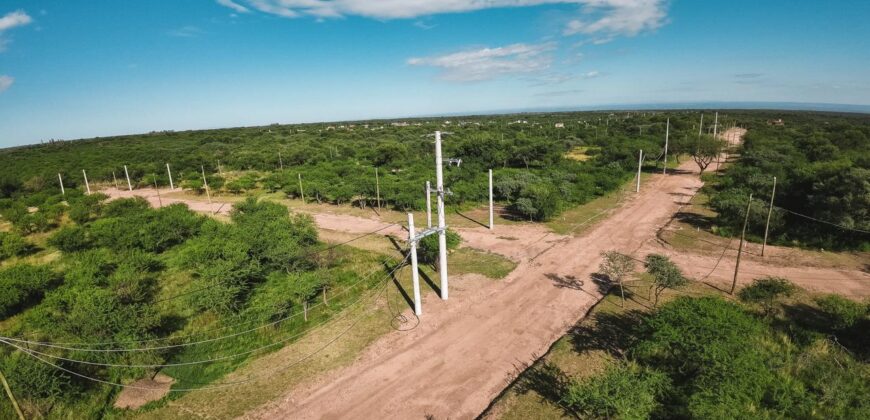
x,y
415,276
769,212
114,180
442,225
428,205
639,166
667,135
169,171
301,191
87,185
127,173
280,161
740,248
62,191
378,189
491,218
205,183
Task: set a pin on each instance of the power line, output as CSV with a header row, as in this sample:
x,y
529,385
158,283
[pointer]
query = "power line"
x,y
142,349
36,354
822,221
306,255
55,344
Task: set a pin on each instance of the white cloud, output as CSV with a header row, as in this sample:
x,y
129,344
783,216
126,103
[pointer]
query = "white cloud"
x,y
5,82
618,17
13,19
614,16
188,31
233,5
489,63
591,75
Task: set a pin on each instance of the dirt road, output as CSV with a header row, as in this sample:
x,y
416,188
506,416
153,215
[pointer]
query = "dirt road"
x,y
467,349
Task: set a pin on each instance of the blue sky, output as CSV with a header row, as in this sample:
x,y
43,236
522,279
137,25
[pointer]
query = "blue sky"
x,y
71,69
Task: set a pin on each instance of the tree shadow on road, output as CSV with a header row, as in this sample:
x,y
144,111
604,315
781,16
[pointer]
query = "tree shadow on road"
x,y
600,282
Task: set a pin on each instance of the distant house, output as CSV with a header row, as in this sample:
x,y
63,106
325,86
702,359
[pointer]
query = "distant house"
x,y
777,121
560,125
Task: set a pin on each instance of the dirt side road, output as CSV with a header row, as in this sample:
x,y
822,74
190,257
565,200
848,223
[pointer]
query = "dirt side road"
x,y
466,349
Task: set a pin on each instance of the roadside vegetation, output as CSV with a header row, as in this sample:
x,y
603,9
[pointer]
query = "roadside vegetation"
x,y
822,172
776,351
135,286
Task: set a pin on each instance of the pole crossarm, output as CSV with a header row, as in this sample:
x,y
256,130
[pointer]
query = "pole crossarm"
x,y
426,232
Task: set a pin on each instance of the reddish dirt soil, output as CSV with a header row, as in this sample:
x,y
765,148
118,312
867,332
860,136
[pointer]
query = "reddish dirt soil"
x,y
467,349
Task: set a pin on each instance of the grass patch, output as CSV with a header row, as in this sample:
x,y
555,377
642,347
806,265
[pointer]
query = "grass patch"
x,y
470,260
579,219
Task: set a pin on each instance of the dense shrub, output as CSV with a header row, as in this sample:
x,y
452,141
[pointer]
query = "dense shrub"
x,y
624,391
22,285
70,239
427,248
32,379
11,245
766,291
842,313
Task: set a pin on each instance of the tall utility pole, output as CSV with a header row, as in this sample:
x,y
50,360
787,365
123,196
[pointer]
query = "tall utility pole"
x,y
667,134
301,191
169,171
415,276
127,173
428,205
205,183
378,189
769,212
639,165
491,218
740,248
114,180
62,191
280,161
442,225
87,185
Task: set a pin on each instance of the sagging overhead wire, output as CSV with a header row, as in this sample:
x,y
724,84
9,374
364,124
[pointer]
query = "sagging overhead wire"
x,y
201,333
64,346
305,255
223,385
822,221
36,354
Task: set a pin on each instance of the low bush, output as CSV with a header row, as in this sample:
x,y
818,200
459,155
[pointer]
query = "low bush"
x,y
842,313
11,244
22,285
427,248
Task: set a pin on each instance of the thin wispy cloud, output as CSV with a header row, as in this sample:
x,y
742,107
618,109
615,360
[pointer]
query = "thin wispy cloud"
x,y
612,18
490,63
425,26
591,75
6,82
188,31
608,17
12,20
570,92
233,5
